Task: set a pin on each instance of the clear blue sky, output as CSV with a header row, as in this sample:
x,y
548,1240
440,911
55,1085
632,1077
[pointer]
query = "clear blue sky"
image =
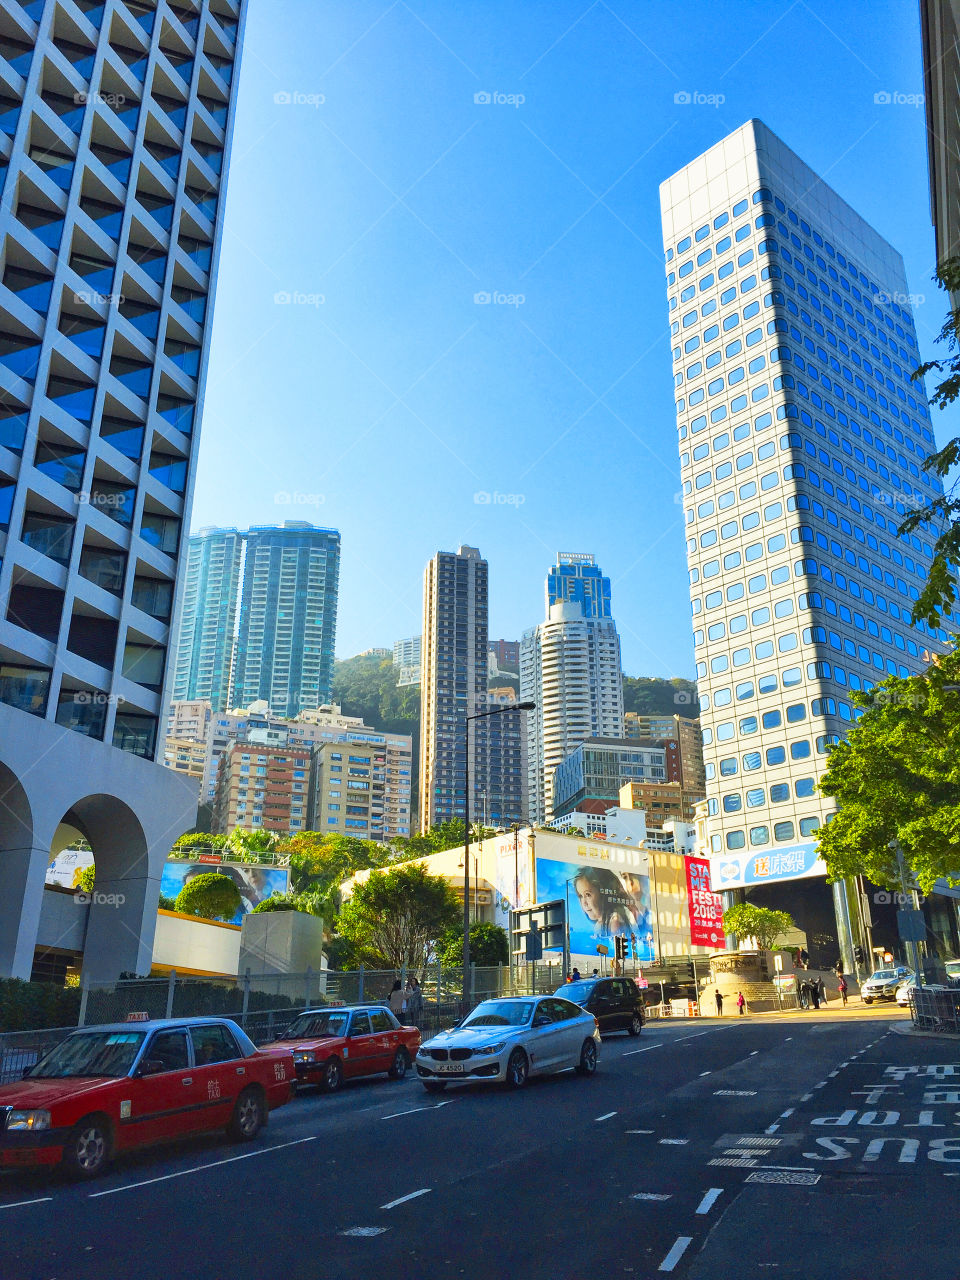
x,y
384,408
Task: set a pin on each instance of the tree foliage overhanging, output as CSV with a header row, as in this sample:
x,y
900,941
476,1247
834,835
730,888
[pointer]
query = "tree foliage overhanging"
x,y
397,917
897,778
749,921
940,591
210,896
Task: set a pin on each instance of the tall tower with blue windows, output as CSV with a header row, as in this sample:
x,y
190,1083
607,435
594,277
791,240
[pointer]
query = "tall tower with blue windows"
x,y
802,440
208,612
576,578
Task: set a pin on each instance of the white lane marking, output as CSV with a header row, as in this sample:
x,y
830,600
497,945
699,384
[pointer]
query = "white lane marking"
x,y
734,1093
753,1054
392,1204
608,1116
680,1246
698,1035
650,1195
363,1231
822,1085
789,1112
19,1204
709,1200
773,1128
704,1073
788,1039
413,1110
646,1050
674,1142
806,1097
200,1168
639,1131
831,1074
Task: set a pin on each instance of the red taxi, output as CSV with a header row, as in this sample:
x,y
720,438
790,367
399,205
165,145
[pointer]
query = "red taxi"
x,y
104,1090
342,1042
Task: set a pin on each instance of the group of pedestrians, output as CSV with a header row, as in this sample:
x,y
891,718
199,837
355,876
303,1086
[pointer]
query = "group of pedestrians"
x,y
406,1003
741,1003
811,994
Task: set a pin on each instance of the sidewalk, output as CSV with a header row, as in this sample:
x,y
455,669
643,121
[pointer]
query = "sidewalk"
x,y
855,1009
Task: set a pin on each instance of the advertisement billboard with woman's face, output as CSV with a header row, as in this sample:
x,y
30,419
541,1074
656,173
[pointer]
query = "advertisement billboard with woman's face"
x,y
608,894
254,881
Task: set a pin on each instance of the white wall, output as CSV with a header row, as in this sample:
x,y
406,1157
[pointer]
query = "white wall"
x,y
188,944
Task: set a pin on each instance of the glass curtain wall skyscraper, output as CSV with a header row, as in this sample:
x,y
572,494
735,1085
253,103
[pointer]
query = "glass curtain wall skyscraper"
x,y
288,618
115,127
801,440
208,615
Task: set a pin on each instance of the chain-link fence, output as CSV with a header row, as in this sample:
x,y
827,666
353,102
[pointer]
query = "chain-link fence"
x,y
265,1004
21,1049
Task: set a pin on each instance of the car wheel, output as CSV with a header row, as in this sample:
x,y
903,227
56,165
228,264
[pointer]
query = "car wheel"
x,y
434,1086
588,1059
401,1065
332,1077
249,1116
867,1000
636,1025
517,1069
86,1152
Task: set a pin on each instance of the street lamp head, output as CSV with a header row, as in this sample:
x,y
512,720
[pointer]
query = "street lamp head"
x,y
525,706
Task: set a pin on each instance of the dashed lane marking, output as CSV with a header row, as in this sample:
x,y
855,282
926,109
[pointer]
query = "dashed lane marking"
x,y
709,1200
789,1112
20,1204
413,1110
704,1073
363,1231
806,1097
674,1142
646,1049
639,1131
734,1093
771,1128
679,1248
650,1195
201,1168
607,1116
392,1204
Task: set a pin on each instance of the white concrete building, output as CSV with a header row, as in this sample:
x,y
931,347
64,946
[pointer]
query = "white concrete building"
x,y
115,137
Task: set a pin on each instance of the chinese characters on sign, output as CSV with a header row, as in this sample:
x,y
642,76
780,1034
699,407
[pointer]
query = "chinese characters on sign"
x,y
706,907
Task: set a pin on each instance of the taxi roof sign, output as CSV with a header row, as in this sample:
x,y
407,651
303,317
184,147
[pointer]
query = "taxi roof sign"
x,y
137,1017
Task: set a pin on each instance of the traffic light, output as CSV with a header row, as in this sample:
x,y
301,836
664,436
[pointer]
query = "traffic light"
x,y
858,954
620,947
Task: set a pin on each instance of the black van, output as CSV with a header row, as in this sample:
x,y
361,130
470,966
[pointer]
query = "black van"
x,y
616,1003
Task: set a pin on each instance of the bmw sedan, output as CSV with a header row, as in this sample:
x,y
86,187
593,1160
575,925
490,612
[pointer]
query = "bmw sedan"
x,y
509,1040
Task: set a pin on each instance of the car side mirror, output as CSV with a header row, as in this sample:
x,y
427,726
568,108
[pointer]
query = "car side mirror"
x,y
542,1020
150,1067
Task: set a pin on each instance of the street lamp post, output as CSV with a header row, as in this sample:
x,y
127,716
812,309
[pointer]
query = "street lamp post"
x,y
478,715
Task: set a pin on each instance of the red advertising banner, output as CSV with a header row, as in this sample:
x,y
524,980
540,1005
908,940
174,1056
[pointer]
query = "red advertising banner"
x,y
706,907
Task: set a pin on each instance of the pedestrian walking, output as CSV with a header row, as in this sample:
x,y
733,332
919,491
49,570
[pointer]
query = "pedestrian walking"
x,y
804,995
414,994
718,996
821,992
815,995
842,988
741,1003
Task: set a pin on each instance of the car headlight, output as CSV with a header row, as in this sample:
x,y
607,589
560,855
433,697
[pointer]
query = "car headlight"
x,y
491,1048
32,1120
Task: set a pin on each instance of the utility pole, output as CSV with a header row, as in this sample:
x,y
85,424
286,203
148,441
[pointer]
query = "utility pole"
x,y
914,945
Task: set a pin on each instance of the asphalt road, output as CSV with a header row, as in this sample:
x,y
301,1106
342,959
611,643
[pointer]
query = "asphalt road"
x,y
797,1147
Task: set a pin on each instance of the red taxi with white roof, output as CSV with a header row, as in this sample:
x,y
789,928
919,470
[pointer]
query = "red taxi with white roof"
x,y
342,1042
109,1089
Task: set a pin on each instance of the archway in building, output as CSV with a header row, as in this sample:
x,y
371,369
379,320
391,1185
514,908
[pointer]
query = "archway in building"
x,y
20,895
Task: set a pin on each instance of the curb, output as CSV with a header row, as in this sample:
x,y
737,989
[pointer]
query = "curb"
x,y
907,1029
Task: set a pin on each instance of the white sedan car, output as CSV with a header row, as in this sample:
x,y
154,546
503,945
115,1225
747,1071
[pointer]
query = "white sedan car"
x,y
511,1039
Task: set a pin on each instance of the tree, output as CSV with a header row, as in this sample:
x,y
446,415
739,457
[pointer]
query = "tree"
x,y
210,896
488,945
397,916
649,696
84,878
897,779
242,843
940,591
748,921
320,863
276,902
166,903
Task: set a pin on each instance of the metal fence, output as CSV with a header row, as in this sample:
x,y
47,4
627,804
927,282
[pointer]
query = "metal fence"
x,y
936,1009
21,1049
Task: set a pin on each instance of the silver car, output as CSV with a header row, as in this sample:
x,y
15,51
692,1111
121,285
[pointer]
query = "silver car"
x,y
883,984
510,1039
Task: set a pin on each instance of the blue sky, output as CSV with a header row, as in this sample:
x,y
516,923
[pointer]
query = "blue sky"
x,y
379,197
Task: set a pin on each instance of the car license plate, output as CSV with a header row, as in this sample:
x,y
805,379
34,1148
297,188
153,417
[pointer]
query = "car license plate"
x,y
450,1068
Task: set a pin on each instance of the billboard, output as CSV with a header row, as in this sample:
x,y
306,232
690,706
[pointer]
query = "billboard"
x,y
254,880
607,890
705,907
66,867
765,866
512,875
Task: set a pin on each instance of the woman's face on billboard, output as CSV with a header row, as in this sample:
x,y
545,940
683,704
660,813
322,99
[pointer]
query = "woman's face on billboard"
x,y
589,897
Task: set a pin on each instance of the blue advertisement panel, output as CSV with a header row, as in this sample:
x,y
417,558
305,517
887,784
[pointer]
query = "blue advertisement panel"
x,y
765,866
254,882
603,903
